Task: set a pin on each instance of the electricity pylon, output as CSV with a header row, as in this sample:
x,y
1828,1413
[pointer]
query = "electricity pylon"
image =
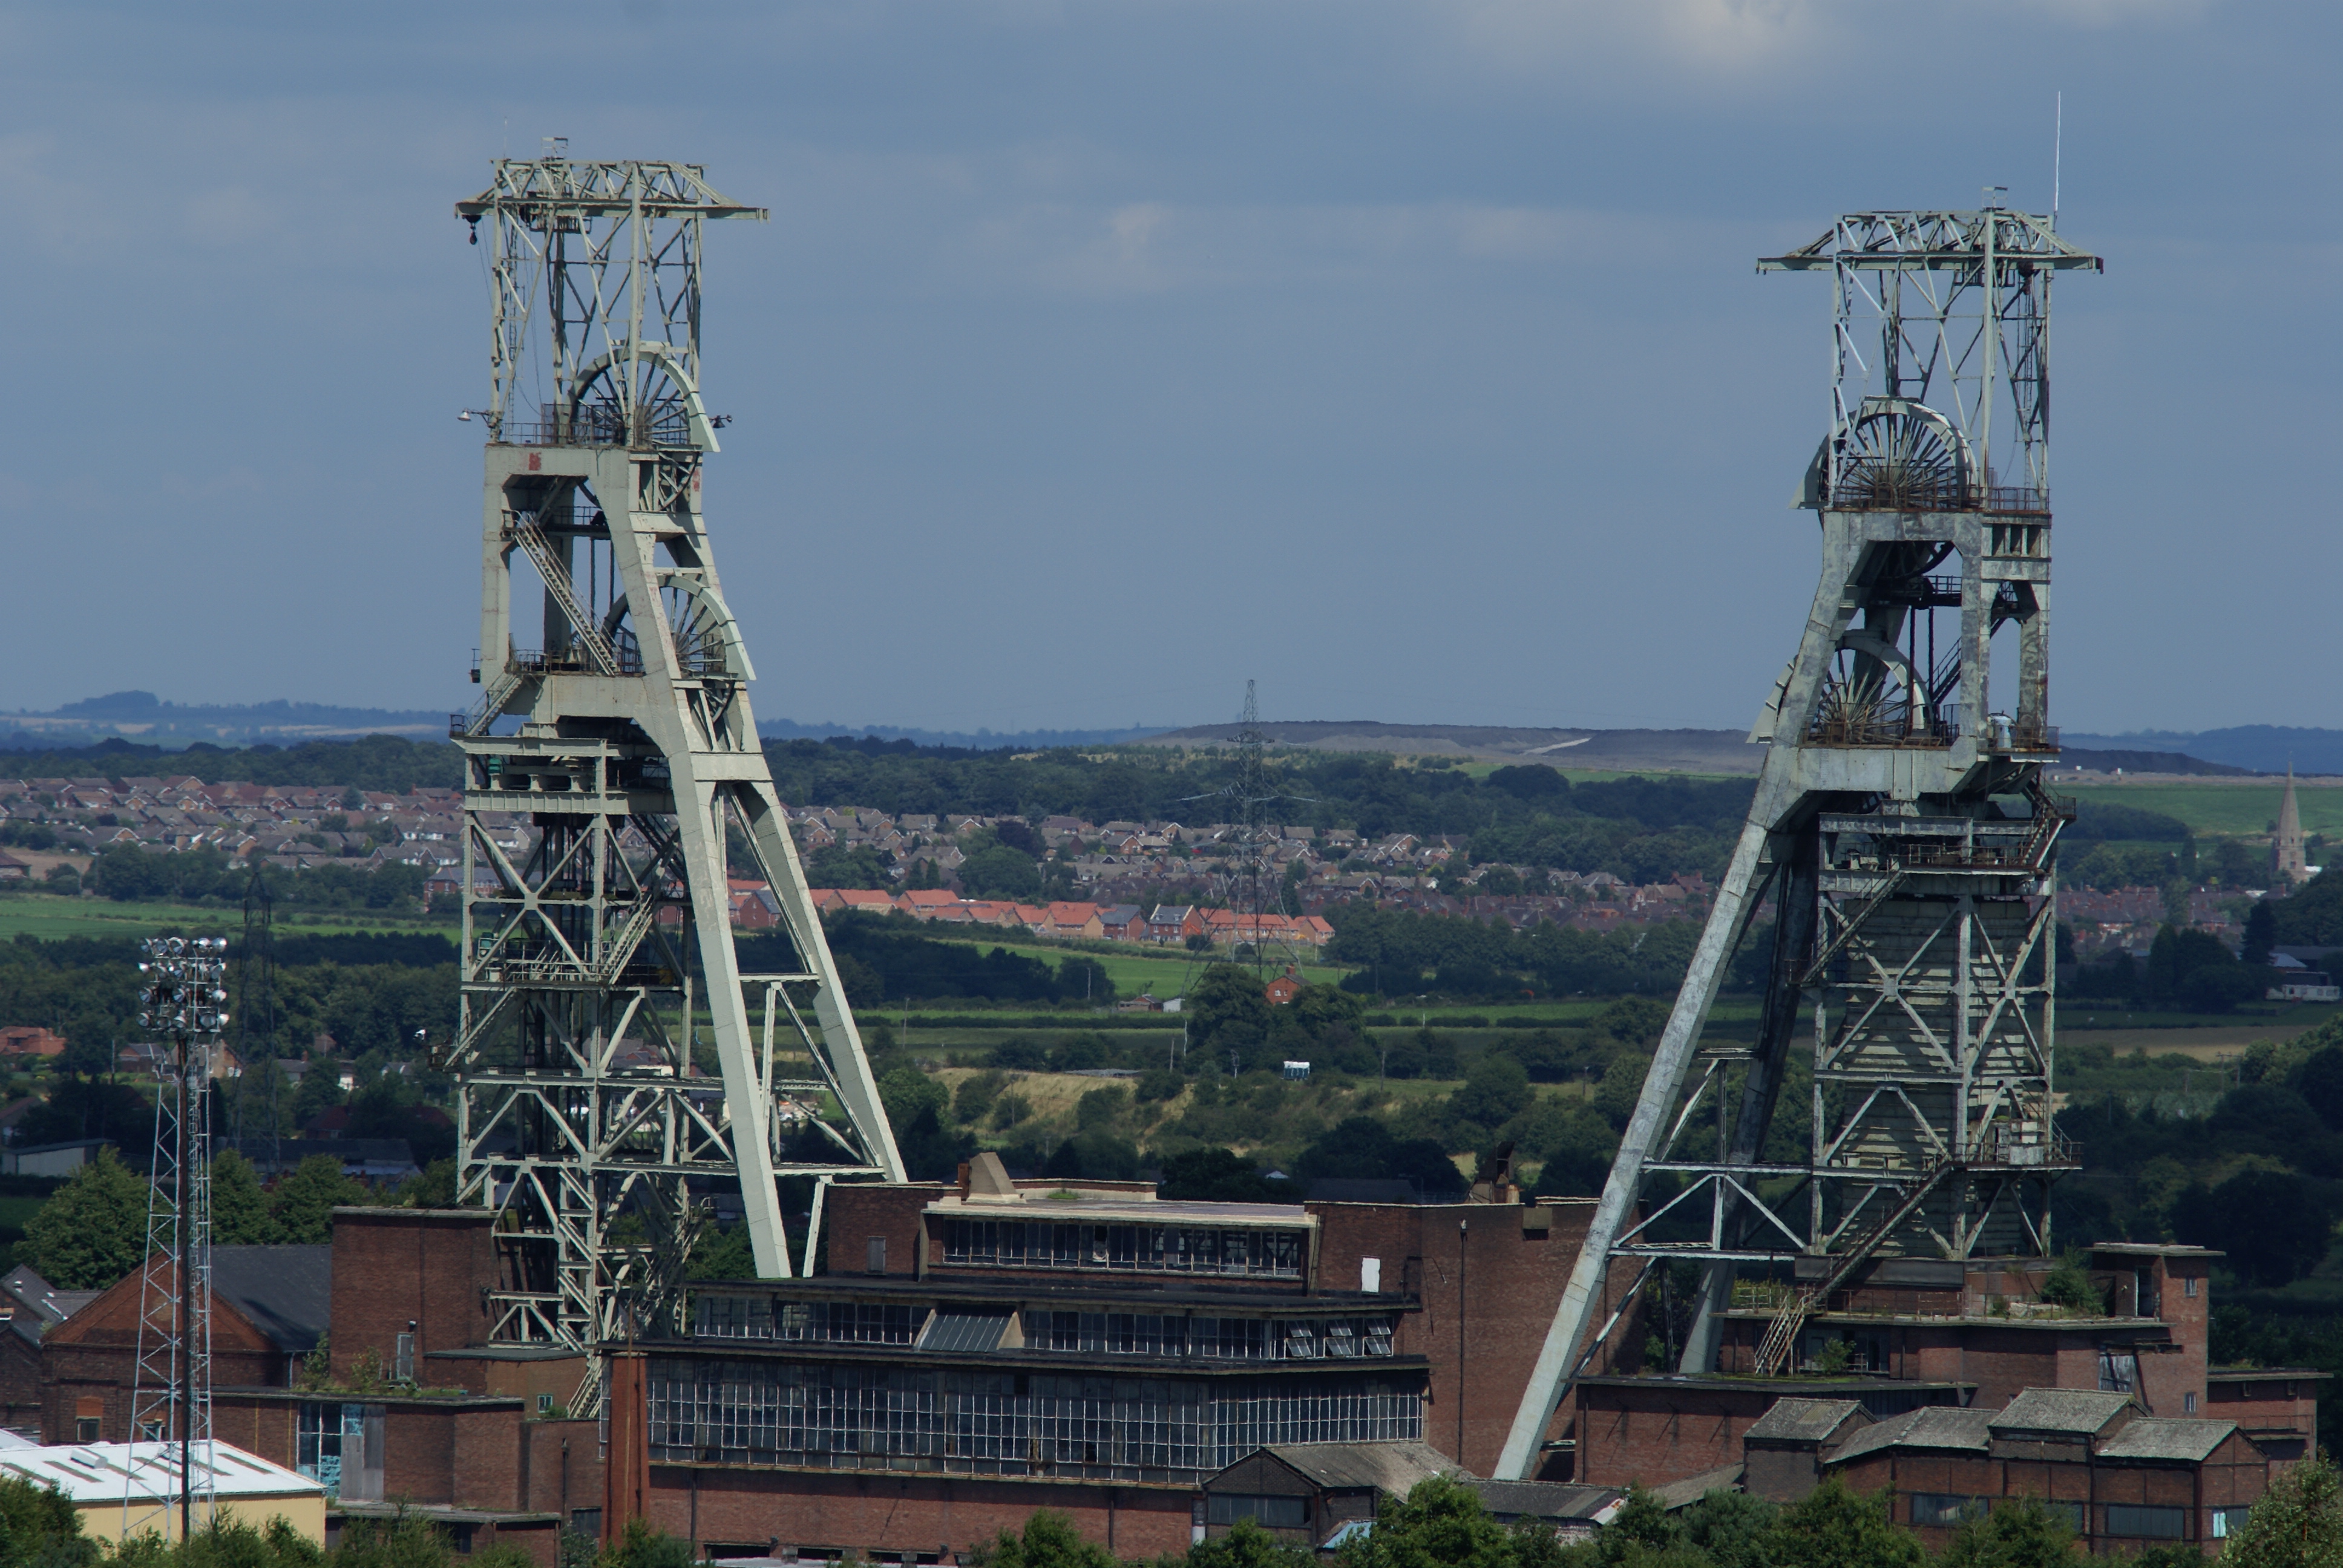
x,y
614,782
1900,824
1252,871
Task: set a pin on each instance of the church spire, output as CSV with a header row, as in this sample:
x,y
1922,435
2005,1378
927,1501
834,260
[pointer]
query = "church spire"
x,y
2292,862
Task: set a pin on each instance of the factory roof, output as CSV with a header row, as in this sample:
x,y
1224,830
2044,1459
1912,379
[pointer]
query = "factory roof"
x,y
2168,1437
146,1472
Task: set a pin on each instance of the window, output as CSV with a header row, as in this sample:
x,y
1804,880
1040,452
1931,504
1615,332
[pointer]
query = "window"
x,y
459,1536
2119,1371
1946,1508
1270,1513
340,1447
402,1362
2227,1522
585,1522
545,1404
2152,1523
875,1256
2188,1286
2188,1404
1371,1275
86,1429
2072,1513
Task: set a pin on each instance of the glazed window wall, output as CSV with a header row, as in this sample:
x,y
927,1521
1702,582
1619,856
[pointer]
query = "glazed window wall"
x,y
819,1323
1006,1423
1136,1249
1219,1339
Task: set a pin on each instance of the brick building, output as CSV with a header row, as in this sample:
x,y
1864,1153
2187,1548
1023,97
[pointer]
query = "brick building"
x,y
1909,1333
418,1408
2122,1479
978,1350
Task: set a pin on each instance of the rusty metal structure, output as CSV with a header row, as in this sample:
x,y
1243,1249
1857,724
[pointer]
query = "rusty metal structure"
x,y
611,1051
1901,829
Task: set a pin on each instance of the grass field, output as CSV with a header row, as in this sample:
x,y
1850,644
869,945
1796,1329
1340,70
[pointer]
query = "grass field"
x,y
2242,806
44,915
1140,970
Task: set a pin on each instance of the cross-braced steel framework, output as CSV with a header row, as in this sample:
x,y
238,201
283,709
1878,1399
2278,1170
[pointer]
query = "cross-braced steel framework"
x,y
182,1006
1900,826
616,796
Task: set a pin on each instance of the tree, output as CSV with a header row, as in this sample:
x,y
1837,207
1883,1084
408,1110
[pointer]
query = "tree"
x,y
1493,1093
40,1527
1439,1524
906,1091
2275,1226
1362,1148
1050,1540
2298,1523
1213,1176
833,866
2261,935
241,1216
92,1229
2019,1532
306,1199
1833,1527
1226,1010
998,871
1731,1528
1246,1545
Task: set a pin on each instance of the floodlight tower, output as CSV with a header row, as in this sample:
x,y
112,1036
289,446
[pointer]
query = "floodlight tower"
x,y
1900,824
183,1005
614,781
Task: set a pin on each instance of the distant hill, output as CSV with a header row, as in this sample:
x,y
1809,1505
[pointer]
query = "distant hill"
x,y
143,717
975,739
2263,748
1724,751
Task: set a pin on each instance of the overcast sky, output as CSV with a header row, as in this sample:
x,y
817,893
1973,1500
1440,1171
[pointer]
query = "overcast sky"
x,y
1099,355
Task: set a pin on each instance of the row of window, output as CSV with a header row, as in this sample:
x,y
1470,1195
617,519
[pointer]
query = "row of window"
x,y
817,1322
742,1317
1224,1339
2131,1519
766,1412
1144,1249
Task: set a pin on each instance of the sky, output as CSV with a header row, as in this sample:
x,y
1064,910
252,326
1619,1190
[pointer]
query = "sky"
x,y
1406,357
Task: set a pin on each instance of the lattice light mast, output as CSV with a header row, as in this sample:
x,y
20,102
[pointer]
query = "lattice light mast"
x,y
597,930
182,1006
1900,823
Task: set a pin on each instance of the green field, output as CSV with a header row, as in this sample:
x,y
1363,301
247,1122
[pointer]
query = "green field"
x,y
1163,973
45,915
2247,807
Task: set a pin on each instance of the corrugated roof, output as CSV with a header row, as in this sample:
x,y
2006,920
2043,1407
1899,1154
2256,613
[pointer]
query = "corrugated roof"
x,y
1545,1499
965,1332
1392,1467
103,1471
1684,1493
286,1292
1936,1426
2168,1437
2079,1411
1803,1420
